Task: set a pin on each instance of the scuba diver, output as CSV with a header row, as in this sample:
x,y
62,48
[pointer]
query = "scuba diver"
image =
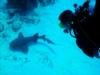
x,y
85,27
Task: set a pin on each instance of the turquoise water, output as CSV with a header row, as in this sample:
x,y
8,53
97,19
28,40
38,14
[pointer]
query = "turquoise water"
x,y
43,58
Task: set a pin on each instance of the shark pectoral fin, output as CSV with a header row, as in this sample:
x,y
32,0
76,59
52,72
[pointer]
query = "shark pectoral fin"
x,y
49,41
25,49
20,35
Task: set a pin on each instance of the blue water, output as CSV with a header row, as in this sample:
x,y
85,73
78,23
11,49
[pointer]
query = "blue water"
x,y
62,58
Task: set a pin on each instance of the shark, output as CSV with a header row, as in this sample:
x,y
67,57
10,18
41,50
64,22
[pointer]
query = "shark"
x,y
21,43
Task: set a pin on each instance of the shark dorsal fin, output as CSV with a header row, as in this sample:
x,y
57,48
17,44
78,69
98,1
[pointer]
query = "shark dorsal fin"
x,y
20,35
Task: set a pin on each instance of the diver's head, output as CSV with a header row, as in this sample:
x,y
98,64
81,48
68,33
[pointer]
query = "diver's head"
x,y
66,20
65,16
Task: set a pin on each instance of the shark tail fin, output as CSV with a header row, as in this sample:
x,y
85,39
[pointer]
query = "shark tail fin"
x,y
43,37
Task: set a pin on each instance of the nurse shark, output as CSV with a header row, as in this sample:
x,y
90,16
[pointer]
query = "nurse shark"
x,y
21,43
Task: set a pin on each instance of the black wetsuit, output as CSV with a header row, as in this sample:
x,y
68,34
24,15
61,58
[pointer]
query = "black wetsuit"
x,y
88,38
